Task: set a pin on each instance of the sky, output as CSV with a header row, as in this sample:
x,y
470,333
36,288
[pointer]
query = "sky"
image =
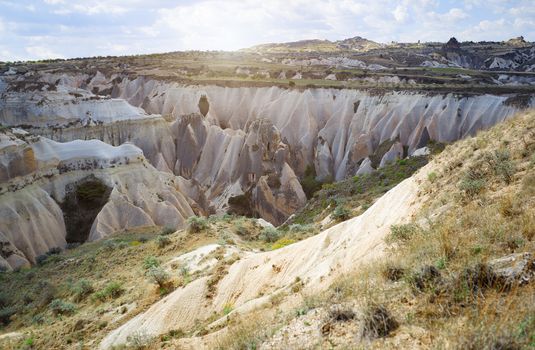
x,y
43,29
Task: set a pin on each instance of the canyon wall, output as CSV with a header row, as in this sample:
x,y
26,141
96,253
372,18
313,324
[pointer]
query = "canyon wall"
x,y
246,145
115,184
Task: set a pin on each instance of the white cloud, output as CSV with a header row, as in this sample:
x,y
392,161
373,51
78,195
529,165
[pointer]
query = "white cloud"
x,y
42,52
452,16
401,14
456,14
90,7
140,26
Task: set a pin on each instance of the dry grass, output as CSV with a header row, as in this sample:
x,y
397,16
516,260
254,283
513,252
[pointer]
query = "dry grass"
x,y
473,227
436,278
107,282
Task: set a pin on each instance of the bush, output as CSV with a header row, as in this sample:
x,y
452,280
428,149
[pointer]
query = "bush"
x,y
242,230
309,183
150,261
269,234
6,313
472,183
340,213
82,289
111,291
159,276
472,187
501,164
167,230
38,319
299,228
197,224
339,314
377,322
61,307
41,259
47,292
5,300
283,242
402,232
44,258
393,273
139,340
54,251
163,241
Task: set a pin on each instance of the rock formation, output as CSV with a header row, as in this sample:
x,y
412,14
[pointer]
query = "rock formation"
x,y
40,176
211,144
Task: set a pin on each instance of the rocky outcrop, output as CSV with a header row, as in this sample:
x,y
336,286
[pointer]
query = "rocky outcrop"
x,y
394,153
365,167
209,136
251,161
42,176
335,129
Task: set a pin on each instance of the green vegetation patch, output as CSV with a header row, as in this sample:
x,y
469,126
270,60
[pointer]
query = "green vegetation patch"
x,y
358,192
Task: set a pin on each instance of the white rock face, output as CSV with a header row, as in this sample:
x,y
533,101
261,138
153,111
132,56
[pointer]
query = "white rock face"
x,y
394,153
342,127
36,176
424,151
365,167
334,130
32,223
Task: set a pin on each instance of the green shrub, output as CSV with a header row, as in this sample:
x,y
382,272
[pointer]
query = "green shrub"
x,y
6,313
432,176
501,164
163,241
112,245
402,232
167,230
472,187
29,343
41,259
473,182
270,234
82,289
46,293
227,309
340,213
282,242
38,319
111,291
309,183
159,276
61,307
295,228
5,299
139,340
242,230
150,261
197,224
